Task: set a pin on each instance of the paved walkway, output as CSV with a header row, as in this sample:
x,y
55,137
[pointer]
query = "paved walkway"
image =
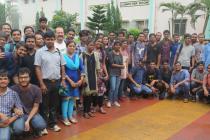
x,y
143,120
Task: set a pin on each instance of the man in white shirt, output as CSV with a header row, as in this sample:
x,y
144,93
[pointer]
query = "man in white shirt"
x,y
59,40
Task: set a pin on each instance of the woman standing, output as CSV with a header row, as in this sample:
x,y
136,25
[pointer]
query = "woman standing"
x,y
91,68
102,77
124,71
74,79
116,64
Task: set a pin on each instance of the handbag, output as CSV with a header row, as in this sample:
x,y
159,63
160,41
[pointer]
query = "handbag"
x,y
63,91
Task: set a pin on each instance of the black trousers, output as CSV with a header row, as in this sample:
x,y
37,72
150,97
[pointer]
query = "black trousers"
x,y
87,103
50,102
97,100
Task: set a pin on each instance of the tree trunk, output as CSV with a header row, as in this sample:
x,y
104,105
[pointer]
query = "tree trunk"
x,y
172,22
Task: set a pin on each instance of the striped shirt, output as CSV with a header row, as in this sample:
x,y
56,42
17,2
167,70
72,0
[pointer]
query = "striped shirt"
x,y
8,101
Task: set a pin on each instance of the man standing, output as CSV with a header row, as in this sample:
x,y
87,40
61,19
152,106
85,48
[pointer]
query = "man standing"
x,y
16,38
59,40
43,26
49,70
174,46
28,60
165,46
6,27
70,35
186,54
199,47
152,53
138,51
39,41
82,45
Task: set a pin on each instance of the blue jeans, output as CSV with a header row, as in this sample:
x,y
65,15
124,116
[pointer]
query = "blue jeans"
x,y
121,87
184,89
114,87
143,88
5,133
37,123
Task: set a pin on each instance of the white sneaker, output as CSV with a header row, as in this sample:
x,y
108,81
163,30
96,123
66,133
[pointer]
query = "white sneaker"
x,y
56,128
117,104
44,132
108,104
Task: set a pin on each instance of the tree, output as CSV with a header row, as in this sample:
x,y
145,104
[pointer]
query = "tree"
x,y
202,5
2,14
171,7
98,19
12,15
114,19
63,19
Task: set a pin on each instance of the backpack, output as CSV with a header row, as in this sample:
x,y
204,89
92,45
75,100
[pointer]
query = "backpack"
x,y
180,50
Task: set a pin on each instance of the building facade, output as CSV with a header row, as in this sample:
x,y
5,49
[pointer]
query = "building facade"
x,y
135,13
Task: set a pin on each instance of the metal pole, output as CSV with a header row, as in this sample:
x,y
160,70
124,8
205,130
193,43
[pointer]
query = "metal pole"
x,y
82,15
151,15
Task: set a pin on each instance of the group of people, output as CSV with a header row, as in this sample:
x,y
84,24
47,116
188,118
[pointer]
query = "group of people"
x,y
45,76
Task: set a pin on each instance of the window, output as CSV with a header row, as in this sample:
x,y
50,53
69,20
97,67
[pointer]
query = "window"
x,y
26,1
180,26
141,24
125,24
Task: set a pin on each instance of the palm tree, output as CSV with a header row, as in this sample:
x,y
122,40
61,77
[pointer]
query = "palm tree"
x,y
171,7
201,5
181,10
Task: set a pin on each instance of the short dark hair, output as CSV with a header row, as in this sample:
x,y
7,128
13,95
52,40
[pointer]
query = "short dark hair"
x,y
3,35
49,34
24,70
28,27
83,33
178,63
20,44
200,63
194,34
175,35
165,61
121,32
69,42
16,30
6,24
117,42
186,36
71,30
152,34
112,32
30,36
3,73
166,31
146,29
42,19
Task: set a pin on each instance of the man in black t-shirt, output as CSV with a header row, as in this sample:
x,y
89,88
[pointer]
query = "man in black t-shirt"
x,y
152,51
30,96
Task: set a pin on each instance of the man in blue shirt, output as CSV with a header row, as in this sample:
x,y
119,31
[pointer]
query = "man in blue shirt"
x,y
206,56
180,82
136,77
176,44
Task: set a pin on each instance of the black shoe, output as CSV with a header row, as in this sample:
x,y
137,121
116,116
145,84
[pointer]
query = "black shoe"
x,y
193,98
